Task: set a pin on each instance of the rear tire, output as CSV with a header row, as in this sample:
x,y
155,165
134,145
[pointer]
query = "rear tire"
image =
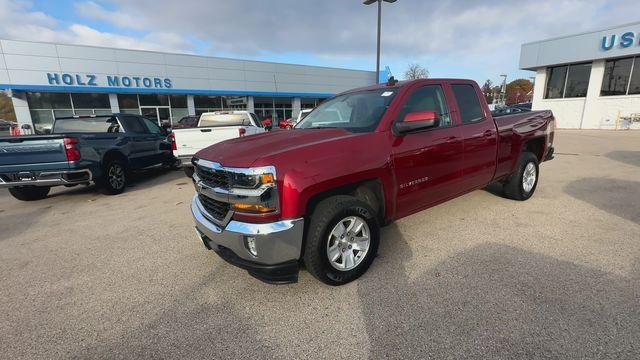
x,y
114,179
522,184
29,193
342,240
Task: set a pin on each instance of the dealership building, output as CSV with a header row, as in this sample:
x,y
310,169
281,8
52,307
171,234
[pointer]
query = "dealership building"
x,y
589,80
47,80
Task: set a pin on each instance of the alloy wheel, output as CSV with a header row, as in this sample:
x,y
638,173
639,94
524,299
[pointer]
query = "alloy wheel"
x,y
348,243
116,176
529,177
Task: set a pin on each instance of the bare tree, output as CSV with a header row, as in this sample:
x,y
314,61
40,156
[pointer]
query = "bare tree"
x,y
416,71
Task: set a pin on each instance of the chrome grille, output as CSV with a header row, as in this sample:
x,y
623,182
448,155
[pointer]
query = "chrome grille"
x,y
212,178
217,209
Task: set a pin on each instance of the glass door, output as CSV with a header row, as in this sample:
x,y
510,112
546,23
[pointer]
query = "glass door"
x,y
164,117
160,114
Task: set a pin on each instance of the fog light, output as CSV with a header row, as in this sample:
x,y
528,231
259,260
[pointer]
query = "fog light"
x,y
250,244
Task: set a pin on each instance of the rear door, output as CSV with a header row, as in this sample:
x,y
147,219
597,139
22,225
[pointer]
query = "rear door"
x,y
479,136
161,147
427,164
143,143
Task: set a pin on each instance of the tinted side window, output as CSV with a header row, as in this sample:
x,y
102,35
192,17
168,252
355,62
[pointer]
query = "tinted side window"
x,y
152,127
427,98
468,103
133,124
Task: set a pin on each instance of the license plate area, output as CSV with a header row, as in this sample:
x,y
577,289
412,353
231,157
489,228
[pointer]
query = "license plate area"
x,y
25,176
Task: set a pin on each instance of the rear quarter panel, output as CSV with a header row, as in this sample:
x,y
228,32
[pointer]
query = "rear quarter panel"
x,y
514,131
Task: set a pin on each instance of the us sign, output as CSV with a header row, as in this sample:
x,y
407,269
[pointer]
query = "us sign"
x,y
625,40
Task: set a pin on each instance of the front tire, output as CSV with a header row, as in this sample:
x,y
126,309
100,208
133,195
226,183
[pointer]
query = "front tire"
x,y
342,240
522,184
29,193
115,178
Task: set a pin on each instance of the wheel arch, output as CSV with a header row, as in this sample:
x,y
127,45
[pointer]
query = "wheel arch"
x,y
369,191
114,155
535,146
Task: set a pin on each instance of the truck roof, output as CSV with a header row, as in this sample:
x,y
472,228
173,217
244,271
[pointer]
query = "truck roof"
x,y
402,83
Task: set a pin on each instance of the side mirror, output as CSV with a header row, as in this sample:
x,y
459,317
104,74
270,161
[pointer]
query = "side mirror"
x,y
418,120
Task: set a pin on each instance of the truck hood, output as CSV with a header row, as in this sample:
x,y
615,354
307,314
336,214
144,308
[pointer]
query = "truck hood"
x,y
246,151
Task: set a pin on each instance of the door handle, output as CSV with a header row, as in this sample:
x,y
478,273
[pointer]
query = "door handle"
x,y
205,130
488,133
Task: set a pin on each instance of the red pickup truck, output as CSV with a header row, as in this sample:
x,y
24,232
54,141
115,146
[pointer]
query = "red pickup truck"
x,y
319,194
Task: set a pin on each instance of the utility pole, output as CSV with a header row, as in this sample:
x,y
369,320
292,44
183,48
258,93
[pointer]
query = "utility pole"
x,y
369,2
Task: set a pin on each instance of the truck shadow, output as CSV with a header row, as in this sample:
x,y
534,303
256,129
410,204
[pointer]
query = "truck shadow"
x,y
615,196
497,301
627,157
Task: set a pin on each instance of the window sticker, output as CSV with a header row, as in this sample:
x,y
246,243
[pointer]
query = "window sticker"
x,y
387,93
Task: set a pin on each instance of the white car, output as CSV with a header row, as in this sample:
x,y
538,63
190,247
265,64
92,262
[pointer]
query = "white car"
x,y
213,127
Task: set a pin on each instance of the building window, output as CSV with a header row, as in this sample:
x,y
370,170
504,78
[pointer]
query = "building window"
x,y
621,77
279,108
90,103
208,103
178,107
45,106
568,81
153,100
578,80
129,104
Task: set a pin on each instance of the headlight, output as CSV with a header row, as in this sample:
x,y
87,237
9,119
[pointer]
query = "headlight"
x,y
252,181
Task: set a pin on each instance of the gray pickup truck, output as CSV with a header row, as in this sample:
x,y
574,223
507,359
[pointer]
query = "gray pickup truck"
x,y
80,150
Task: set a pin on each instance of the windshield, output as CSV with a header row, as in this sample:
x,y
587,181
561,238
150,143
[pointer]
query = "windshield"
x,y
357,112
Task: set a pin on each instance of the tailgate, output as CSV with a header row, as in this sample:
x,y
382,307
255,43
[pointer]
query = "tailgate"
x,y
190,141
31,150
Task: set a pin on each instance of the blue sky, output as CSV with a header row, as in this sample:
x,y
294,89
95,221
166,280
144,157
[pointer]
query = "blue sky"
x,y
463,38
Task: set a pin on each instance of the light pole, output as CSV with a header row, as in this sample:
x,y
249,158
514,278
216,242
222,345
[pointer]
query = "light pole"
x,y
369,2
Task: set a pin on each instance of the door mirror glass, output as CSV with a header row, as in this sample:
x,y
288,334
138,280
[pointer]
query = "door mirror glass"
x,y
418,120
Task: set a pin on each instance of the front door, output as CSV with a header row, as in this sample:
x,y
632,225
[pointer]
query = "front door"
x,y
428,163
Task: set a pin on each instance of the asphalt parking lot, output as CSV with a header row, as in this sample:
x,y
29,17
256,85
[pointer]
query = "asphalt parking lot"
x,y
93,276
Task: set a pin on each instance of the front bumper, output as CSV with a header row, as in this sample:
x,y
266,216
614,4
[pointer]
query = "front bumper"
x,y
45,178
278,244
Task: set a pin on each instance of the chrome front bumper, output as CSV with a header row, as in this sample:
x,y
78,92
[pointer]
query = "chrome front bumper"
x,y
47,178
277,242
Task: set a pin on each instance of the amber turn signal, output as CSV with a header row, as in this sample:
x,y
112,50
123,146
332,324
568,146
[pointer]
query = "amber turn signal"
x,y
251,208
266,178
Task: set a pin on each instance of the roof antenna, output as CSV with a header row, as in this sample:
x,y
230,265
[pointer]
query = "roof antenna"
x,y
391,81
